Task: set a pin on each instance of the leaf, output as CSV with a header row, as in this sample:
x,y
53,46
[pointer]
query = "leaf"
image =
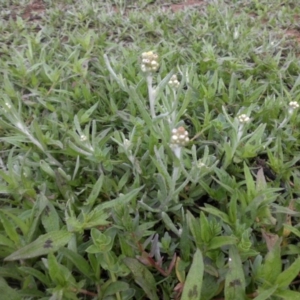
x,y
220,241
18,221
271,268
58,273
142,277
204,228
44,244
210,287
37,274
86,115
288,275
216,212
9,228
288,295
193,284
249,181
193,226
235,279
116,287
294,230
6,241
261,183
79,262
96,218
265,295
122,199
7,292
50,218
270,238
169,223
95,191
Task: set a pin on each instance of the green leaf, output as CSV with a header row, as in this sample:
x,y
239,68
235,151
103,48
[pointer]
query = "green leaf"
x,y
210,286
96,218
288,275
37,274
36,213
7,292
185,242
58,273
261,183
294,230
95,191
194,226
86,115
288,295
18,221
44,244
10,271
271,268
193,283
143,277
169,223
79,262
50,218
235,279
6,241
116,287
220,241
216,212
204,228
265,294
122,199
249,181
10,229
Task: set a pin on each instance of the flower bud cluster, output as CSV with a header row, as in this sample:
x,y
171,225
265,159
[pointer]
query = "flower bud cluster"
x,y
180,137
293,105
149,62
173,82
243,119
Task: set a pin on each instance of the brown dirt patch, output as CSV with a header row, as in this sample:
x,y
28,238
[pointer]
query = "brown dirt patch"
x,y
293,34
186,4
34,11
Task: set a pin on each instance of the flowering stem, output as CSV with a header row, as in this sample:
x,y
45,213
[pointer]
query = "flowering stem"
x,y
177,151
151,93
240,132
173,115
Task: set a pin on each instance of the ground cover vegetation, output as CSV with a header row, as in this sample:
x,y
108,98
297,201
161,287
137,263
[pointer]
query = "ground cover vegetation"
x,y
149,150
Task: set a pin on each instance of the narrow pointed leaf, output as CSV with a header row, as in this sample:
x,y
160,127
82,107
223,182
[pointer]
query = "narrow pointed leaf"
x,y
142,277
79,262
220,241
271,268
43,245
7,292
122,199
235,278
193,283
264,295
288,275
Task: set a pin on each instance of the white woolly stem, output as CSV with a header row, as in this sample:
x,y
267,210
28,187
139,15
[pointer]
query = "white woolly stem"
x,y
151,93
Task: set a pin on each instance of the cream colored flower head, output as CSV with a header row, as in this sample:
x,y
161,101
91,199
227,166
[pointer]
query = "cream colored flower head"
x,y
243,119
173,82
180,137
149,62
293,105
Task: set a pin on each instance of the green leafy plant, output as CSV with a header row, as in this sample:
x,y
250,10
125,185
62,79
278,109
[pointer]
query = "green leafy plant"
x,y
149,154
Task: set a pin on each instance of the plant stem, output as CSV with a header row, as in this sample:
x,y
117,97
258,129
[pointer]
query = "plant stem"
x,y
151,93
112,275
